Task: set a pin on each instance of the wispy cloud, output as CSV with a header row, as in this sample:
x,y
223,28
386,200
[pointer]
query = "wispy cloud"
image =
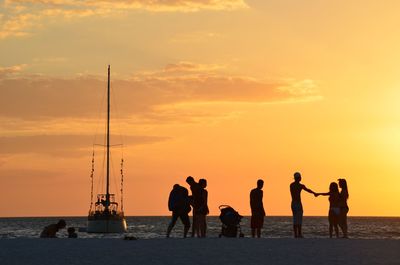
x,y
20,17
193,37
11,70
150,5
61,145
43,97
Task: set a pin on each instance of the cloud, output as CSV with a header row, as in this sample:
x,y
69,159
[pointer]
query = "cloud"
x,y
193,37
11,70
22,16
33,97
63,145
149,5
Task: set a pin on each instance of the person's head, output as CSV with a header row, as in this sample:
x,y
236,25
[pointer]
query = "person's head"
x,y
71,230
333,187
297,176
342,183
61,224
190,180
176,186
203,183
260,184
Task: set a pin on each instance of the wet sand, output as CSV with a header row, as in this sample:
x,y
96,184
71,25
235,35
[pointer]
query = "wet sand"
x,y
198,251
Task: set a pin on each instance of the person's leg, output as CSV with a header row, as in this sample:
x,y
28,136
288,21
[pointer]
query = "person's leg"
x,y
186,223
330,219
300,234
260,225
335,224
193,224
203,229
172,223
201,225
196,225
205,226
294,213
345,224
343,221
253,226
336,230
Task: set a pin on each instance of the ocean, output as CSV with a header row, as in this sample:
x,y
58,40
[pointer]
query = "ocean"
x,y
155,227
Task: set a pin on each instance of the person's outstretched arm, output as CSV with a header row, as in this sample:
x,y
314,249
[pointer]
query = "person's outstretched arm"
x,y
308,190
322,193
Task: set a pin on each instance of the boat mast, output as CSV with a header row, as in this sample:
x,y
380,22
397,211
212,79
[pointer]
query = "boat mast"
x,y
108,143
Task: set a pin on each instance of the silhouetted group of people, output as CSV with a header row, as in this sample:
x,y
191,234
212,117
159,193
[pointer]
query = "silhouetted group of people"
x,y
181,203
338,207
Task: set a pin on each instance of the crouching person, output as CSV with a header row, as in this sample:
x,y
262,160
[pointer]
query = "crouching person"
x,y
50,231
179,204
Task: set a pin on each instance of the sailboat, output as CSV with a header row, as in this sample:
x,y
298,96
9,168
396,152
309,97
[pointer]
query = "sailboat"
x,y
107,215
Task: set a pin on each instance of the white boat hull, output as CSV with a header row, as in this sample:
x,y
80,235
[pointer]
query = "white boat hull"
x,y
107,226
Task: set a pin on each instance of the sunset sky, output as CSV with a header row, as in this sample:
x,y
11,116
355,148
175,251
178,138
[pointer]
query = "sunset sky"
x,y
227,90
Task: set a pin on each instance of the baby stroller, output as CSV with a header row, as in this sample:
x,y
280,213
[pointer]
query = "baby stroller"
x,y
230,222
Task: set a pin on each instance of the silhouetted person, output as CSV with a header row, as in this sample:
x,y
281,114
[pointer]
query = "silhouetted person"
x,y
195,200
344,208
50,231
179,204
334,208
202,211
297,208
72,233
257,209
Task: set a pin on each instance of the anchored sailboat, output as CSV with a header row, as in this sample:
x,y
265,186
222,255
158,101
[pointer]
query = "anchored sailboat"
x,y
107,216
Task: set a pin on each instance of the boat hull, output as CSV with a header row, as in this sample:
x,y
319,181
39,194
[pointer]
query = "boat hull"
x,y
107,225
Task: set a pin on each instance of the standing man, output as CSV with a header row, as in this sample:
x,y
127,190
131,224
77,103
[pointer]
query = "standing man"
x,y
257,209
179,204
297,208
195,201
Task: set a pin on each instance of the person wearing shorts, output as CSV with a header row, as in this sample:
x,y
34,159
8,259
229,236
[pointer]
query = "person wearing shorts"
x,y
257,209
297,208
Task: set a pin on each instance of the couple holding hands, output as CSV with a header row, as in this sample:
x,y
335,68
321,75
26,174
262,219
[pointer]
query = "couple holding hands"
x,y
338,207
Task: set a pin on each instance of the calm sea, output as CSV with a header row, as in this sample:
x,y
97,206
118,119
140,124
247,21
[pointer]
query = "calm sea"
x,y
155,227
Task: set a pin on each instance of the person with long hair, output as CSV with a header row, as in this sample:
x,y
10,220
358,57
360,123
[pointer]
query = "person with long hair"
x,y
334,208
344,208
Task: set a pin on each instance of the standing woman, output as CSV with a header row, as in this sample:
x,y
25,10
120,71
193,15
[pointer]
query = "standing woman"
x,y
203,210
334,208
344,208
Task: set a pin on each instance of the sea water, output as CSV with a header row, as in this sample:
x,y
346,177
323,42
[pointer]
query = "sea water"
x,y
155,227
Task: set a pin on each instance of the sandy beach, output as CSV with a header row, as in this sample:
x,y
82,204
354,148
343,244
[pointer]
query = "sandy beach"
x,y
198,251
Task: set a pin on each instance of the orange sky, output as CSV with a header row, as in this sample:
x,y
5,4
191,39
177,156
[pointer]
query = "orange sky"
x,y
230,91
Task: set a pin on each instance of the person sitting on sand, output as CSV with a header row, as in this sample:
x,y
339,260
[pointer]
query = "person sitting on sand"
x,y
334,208
179,204
257,209
297,208
202,210
195,200
50,231
72,233
344,208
